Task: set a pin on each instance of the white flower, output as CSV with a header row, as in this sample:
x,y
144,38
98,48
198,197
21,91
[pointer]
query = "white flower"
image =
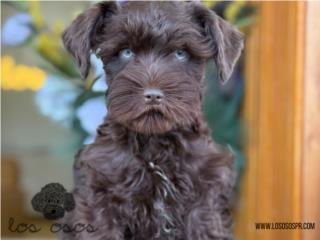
x,y
16,29
91,114
97,65
55,99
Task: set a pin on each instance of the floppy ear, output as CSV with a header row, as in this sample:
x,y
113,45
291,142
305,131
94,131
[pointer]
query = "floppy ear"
x,y
38,202
226,40
83,34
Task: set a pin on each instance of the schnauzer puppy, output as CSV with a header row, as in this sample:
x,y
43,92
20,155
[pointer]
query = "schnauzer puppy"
x,y
153,171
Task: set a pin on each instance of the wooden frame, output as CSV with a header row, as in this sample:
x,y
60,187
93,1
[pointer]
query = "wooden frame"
x,y
273,112
311,148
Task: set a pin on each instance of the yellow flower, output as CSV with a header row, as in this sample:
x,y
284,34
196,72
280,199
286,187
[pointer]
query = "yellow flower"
x,y
35,12
58,27
49,46
20,77
233,9
209,4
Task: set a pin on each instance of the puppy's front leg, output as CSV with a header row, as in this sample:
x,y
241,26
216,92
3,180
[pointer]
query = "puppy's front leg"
x,y
84,223
91,218
210,217
206,222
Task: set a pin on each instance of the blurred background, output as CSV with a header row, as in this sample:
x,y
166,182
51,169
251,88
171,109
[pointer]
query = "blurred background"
x,y
268,113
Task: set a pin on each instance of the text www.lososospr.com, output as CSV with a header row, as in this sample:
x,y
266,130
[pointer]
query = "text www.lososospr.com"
x,y
285,226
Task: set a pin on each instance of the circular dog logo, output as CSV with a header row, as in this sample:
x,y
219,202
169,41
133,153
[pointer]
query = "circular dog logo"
x,y
52,201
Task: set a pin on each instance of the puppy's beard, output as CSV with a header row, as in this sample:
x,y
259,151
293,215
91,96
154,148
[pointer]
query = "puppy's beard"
x,y
155,119
152,121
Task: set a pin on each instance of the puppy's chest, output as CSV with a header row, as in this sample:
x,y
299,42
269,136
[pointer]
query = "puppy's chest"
x,y
164,173
159,192
160,202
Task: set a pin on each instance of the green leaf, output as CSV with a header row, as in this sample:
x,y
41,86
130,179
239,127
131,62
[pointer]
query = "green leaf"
x,y
244,22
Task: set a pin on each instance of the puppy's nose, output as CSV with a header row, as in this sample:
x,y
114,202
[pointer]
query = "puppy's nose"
x,y
153,96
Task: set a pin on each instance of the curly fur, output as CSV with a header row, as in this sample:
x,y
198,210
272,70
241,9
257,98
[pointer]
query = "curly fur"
x,y
153,172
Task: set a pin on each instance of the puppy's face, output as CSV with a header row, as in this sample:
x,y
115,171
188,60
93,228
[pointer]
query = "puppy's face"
x,y
154,55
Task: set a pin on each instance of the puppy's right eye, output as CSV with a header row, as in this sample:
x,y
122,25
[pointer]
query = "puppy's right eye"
x,y
181,55
126,54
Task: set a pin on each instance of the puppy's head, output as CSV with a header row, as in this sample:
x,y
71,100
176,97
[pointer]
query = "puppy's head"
x,y
154,55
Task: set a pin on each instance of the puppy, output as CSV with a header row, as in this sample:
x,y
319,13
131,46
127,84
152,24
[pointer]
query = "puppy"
x,y
153,171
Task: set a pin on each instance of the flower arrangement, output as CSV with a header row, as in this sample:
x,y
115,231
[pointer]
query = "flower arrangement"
x,y
59,92
63,97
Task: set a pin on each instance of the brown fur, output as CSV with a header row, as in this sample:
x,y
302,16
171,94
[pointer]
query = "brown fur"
x,y
153,172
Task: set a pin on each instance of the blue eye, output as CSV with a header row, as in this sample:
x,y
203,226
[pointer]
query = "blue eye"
x,y
126,53
181,55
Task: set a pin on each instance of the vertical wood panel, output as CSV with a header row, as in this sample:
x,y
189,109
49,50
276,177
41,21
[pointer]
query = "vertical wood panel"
x,y
311,164
271,187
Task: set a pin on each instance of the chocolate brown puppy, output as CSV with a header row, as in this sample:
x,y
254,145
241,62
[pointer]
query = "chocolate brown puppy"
x,y
153,171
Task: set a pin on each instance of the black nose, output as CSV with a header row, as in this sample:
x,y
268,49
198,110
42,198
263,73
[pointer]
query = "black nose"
x,y
153,96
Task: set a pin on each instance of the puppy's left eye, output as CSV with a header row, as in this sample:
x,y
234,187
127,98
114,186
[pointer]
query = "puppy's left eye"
x,y
181,55
126,53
